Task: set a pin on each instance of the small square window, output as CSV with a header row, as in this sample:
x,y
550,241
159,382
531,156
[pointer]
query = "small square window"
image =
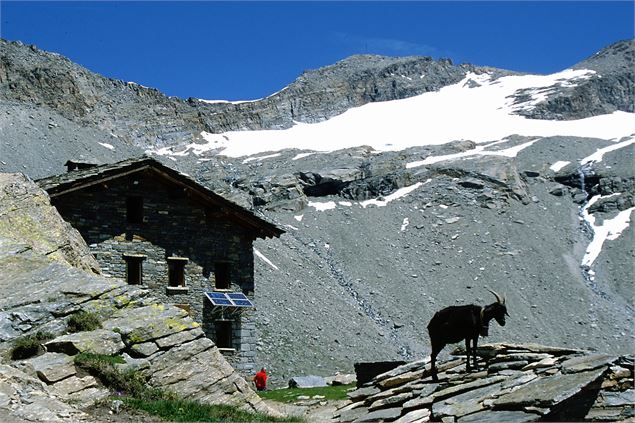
x,y
134,268
223,329
134,209
221,275
176,271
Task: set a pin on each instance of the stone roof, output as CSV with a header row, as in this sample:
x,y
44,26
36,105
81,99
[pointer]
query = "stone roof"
x,y
78,179
516,383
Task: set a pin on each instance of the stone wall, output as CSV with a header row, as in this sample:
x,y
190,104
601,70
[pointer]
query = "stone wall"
x,y
173,225
242,353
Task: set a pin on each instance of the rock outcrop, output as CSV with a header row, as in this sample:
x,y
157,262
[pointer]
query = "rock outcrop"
x,y
40,291
143,116
610,89
24,213
516,383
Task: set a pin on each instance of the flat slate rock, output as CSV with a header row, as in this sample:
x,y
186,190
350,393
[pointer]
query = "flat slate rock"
x,y
179,338
586,363
362,393
415,416
99,341
53,367
74,384
465,403
388,414
499,417
548,391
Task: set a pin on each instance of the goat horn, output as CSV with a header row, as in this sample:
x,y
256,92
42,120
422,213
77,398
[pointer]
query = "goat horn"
x,y
499,299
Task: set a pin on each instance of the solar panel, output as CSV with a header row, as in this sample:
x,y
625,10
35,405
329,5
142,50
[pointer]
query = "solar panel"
x,y
236,296
243,303
231,299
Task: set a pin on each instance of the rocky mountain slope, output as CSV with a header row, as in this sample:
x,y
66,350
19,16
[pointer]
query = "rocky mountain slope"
x,y
383,233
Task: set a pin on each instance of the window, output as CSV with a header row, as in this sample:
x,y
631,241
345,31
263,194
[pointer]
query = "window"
x,y
134,209
134,271
223,329
176,271
221,275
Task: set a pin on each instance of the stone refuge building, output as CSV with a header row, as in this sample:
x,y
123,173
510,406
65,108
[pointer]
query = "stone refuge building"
x,y
153,226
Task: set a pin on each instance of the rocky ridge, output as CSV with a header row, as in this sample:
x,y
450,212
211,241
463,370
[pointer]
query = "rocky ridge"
x,y
41,291
610,89
143,117
516,383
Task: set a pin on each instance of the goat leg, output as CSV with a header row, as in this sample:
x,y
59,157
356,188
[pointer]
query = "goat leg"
x,y
467,351
436,349
474,344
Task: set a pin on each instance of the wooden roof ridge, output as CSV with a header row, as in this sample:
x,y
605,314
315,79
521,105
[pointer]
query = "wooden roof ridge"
x,y
64,183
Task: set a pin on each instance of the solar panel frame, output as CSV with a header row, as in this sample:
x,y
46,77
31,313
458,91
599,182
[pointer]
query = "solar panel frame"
x,y
230,299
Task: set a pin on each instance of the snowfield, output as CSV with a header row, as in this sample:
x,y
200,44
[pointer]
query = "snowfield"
x,y
478,108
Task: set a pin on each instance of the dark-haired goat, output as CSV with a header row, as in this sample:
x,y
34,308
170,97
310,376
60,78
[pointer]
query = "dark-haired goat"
x,y
456,323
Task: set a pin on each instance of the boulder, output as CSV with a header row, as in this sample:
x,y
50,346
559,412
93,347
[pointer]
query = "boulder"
x,y
340,379
306,382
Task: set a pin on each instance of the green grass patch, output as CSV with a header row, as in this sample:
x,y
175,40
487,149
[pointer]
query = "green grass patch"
x,y
127,382
178,410
29,345
288,395
83,321
138,395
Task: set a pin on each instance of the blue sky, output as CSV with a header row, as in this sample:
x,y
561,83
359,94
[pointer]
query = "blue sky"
x,y
246,50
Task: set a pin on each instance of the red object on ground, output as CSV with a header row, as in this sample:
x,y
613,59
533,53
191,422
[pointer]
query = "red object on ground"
x,y
261,380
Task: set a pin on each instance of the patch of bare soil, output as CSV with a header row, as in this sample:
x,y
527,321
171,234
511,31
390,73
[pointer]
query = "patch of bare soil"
x,y
313,411
105,413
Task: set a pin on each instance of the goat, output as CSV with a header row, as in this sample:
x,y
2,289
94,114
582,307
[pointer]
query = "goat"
x,y
455,323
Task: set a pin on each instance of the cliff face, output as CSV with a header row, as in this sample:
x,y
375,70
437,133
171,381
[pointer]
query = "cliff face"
x,y
610,89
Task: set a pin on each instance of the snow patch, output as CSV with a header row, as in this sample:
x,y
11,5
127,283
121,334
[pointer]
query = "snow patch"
x,y
105,144
328,205
260,158
610,229
558,165
479,150
599,154
265,259
401,192
302,155
299,217
405,224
